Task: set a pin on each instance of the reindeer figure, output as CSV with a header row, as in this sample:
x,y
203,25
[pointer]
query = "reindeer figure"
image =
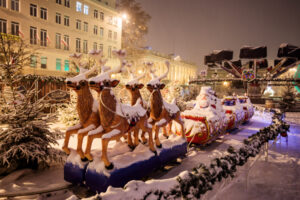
x,y
87,106
134,86
161,112
116,119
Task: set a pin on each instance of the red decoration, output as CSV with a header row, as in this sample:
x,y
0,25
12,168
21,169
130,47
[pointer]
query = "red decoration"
x,y
284,134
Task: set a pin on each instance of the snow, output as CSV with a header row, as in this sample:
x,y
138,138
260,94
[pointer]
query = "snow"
x,y
77,126
111,134
172,108
87,129
99,129
75,159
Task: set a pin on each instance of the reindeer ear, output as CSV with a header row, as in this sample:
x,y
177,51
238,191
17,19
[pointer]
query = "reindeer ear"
x,y
128,86
162,86
114,83
140,86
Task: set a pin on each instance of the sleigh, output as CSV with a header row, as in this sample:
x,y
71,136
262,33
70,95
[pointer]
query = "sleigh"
x,y
235,114
200,130
247,107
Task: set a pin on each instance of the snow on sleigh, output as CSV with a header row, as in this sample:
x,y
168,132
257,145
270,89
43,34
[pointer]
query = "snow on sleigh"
x,y
205,122
115,165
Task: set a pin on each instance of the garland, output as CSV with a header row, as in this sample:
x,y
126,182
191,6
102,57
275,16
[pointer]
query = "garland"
x,y
202,178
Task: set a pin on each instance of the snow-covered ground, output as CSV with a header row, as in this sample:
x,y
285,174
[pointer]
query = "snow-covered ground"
x,y
276,178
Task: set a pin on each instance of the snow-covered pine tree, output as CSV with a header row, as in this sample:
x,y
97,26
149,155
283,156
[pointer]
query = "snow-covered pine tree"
x,y
25,139
67,112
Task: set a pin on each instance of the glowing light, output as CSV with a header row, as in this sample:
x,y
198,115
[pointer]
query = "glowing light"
x,y
293,70
124,16
140,71
113,76
269,91
225,83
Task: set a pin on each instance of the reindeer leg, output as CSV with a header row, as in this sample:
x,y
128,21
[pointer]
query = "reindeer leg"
x,y
129,140
67,138
79,146
157,142
90,140
151,144
144,140
136,137
180,122
107,164
165,132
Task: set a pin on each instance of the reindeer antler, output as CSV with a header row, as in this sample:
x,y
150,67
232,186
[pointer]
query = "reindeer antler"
x,y
151,69
166,73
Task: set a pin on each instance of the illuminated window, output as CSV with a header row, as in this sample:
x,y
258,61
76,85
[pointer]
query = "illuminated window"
x,y
33,61
67,65
78,6
58,64
86,9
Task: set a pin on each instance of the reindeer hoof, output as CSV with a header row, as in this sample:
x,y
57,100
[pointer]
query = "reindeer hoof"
x,y
109,167
84,159
159,146
155,152
132,147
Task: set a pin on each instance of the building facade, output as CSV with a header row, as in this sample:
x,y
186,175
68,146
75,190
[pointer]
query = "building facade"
x,y
57,28
180,71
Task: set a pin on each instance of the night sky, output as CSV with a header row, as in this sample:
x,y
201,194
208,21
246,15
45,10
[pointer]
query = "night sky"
x,y
193,28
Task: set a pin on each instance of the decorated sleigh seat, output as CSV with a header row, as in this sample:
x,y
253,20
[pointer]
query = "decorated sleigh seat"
x,y
202,123
233,111
247,107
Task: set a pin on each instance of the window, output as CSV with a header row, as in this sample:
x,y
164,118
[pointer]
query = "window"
x,y
3,3
33,10
43,38
78,6
115,35
58,18
85,46
95,30
58,1
109,34
33,61
66,42
78,24
95,46
101,31
33,32
67,21
67,65
109,51
101,47
67,3
14,28
85,26
15,5
102,16
110,20
3,25
44,13
43,62
78,45
86,9
57,40
96,14
58,64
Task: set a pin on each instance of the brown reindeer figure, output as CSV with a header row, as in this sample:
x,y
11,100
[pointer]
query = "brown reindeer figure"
x,y
116,119
133,87
87,106
161,112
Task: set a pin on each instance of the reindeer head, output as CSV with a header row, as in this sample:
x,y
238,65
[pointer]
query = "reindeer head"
x,y
155,84
103,80
134,85
79,83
